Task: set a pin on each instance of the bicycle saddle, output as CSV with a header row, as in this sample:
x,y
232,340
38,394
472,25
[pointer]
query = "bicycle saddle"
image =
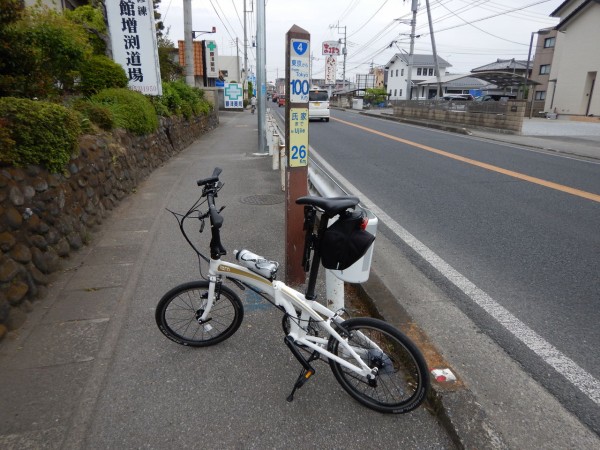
x,y
332,205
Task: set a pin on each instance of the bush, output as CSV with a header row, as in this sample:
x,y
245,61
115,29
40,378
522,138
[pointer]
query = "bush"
x,y
96,113
180,99
100,72
92,20
43,133
131,110
43,54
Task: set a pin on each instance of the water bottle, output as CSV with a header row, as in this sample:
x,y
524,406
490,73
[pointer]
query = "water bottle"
x,y
256,263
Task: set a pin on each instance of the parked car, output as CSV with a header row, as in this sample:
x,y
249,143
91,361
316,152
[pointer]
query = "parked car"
x,y
281,101
496,97
318,104
458,97
274,98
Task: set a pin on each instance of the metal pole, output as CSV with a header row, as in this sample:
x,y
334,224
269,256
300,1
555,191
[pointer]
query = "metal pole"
x,y
189,43
261,74
413,24
435,58
245,94
344,52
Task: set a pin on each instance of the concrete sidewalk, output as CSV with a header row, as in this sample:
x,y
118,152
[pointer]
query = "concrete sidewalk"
x,y
90,369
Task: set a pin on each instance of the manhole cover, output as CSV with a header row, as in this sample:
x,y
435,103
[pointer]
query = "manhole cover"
x,y
262,199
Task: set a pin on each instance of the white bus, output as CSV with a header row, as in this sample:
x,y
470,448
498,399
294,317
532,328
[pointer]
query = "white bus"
x,y
318,104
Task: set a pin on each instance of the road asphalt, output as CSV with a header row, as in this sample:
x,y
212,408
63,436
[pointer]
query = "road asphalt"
x,y
89,368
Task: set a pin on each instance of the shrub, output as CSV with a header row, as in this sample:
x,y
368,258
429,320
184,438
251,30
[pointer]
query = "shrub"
x,y
44,54
100,72
131,110
96,113
180,99
92,20
43,133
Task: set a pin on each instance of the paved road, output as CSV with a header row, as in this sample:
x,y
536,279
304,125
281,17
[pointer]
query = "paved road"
x,y
533,249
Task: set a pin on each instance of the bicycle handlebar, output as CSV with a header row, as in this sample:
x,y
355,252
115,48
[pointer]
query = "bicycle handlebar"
x,y
212,179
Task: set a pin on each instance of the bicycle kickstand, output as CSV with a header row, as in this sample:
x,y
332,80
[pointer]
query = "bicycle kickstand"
x,y
307,370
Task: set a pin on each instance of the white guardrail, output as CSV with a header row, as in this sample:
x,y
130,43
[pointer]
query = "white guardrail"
x,y
322,184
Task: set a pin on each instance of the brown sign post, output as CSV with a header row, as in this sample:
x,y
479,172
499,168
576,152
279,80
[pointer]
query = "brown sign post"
x,y
297,79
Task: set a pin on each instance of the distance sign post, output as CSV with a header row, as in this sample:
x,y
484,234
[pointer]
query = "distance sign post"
x,y
297,78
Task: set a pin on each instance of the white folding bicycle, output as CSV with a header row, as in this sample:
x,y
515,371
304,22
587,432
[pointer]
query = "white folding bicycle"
x,y
373,361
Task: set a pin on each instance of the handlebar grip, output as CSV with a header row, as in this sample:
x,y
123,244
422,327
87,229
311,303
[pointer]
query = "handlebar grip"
x,y
212,179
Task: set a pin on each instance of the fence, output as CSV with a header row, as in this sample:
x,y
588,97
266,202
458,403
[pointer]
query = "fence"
x,y
504,116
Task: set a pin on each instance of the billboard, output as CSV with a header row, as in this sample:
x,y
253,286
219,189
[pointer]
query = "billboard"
x,y
133,40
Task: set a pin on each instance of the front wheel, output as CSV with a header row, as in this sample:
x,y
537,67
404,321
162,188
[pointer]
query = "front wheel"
x,y
178,314
402,379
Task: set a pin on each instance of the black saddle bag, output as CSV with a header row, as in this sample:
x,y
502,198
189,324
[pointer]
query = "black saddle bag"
x,y
345,241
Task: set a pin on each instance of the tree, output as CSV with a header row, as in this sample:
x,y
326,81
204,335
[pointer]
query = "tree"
x,y
169,69
374,96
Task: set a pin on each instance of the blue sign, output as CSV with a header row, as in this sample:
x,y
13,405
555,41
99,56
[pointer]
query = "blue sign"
x,y
300,47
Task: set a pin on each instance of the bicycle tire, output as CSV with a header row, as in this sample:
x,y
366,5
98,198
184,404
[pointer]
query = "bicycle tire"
x,y
402,382
178,310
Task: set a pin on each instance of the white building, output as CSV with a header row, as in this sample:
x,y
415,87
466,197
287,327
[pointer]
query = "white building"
x,y
576,61
423,67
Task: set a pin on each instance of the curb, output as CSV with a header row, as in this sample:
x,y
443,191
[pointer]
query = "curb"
x,y
457,409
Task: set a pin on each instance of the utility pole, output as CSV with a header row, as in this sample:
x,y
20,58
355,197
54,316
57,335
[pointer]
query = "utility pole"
x,y
189,43
261,74
344,52
435,57
413,24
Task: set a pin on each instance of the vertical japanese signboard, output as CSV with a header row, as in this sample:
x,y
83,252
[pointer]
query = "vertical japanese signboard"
x,y
299,71
212,66
298,93
298,137
331,49
133,39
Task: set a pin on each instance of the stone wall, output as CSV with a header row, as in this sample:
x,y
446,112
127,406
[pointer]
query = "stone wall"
x,y
44,217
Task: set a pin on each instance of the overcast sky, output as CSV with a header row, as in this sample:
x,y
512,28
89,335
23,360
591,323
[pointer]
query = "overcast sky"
x,y
468,33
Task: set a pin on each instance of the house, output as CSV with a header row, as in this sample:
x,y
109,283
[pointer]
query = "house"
x,y
576,61
542,63
422,67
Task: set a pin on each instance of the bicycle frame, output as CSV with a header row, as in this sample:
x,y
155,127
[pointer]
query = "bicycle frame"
x,y
291,301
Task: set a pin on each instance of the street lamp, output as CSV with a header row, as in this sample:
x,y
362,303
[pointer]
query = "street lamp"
x,y
198,33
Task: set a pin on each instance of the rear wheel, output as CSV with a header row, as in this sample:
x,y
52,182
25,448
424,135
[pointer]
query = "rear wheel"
x,y
402,379
178,314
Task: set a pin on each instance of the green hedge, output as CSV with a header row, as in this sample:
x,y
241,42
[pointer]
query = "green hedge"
x,y
37,133
179,99
100,72
130,110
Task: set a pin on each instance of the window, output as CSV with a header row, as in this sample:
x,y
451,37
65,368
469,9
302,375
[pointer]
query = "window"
x,y
391,73
545,69
540,95
419,71
395,92
430,72
396,72
400,92
549,42
402,72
